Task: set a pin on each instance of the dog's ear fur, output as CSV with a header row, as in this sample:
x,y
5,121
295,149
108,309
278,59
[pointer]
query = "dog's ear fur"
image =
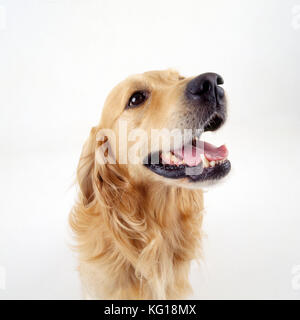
x,y
106,187
106,191
102,183
86,169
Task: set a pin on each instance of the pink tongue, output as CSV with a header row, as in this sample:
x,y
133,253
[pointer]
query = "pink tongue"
x,y
191,154
213,153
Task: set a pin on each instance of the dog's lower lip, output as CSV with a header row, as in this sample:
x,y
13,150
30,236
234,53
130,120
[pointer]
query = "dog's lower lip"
x,y
193,174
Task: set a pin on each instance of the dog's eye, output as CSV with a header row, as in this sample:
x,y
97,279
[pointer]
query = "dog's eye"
x,y
137,99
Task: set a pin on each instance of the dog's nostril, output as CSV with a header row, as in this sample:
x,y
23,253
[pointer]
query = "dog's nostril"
x,y
220,92
220,80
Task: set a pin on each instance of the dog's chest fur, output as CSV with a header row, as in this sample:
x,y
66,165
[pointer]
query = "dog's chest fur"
x,y
142,250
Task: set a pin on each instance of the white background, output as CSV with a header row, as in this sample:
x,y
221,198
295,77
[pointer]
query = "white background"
x,y
58,61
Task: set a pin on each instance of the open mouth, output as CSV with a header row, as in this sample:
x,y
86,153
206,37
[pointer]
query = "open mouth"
x,y
197,161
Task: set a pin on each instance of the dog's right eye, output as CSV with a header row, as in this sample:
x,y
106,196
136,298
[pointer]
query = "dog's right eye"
x,y
137,99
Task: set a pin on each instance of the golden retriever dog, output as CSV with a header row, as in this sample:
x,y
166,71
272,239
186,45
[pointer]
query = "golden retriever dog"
x,y
137,220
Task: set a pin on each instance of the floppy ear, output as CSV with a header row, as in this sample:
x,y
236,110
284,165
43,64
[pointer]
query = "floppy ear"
x,y
97,179
106,190
85,169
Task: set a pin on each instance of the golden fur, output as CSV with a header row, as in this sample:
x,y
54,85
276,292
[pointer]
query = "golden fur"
x,y
136,233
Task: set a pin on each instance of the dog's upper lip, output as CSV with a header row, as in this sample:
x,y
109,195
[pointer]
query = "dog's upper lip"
x,y
194,174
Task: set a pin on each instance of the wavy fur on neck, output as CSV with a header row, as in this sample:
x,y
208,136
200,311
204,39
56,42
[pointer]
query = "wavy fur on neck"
x,y
134,241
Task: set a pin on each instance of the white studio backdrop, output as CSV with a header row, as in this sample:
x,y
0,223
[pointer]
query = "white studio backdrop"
x,y
58,61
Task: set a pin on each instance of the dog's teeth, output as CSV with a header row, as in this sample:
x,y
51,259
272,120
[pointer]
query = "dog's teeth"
x,y
166,155
173,158
212,163
205,162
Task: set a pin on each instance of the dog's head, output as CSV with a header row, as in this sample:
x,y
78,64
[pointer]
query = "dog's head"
x,y
151,127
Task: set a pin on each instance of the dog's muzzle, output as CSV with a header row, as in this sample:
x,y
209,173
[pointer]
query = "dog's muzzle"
x,y
197,160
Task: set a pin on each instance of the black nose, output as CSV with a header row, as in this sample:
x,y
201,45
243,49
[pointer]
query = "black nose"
x,y
206,87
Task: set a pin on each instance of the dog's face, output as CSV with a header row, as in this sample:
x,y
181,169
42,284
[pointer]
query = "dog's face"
x,y
157,118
